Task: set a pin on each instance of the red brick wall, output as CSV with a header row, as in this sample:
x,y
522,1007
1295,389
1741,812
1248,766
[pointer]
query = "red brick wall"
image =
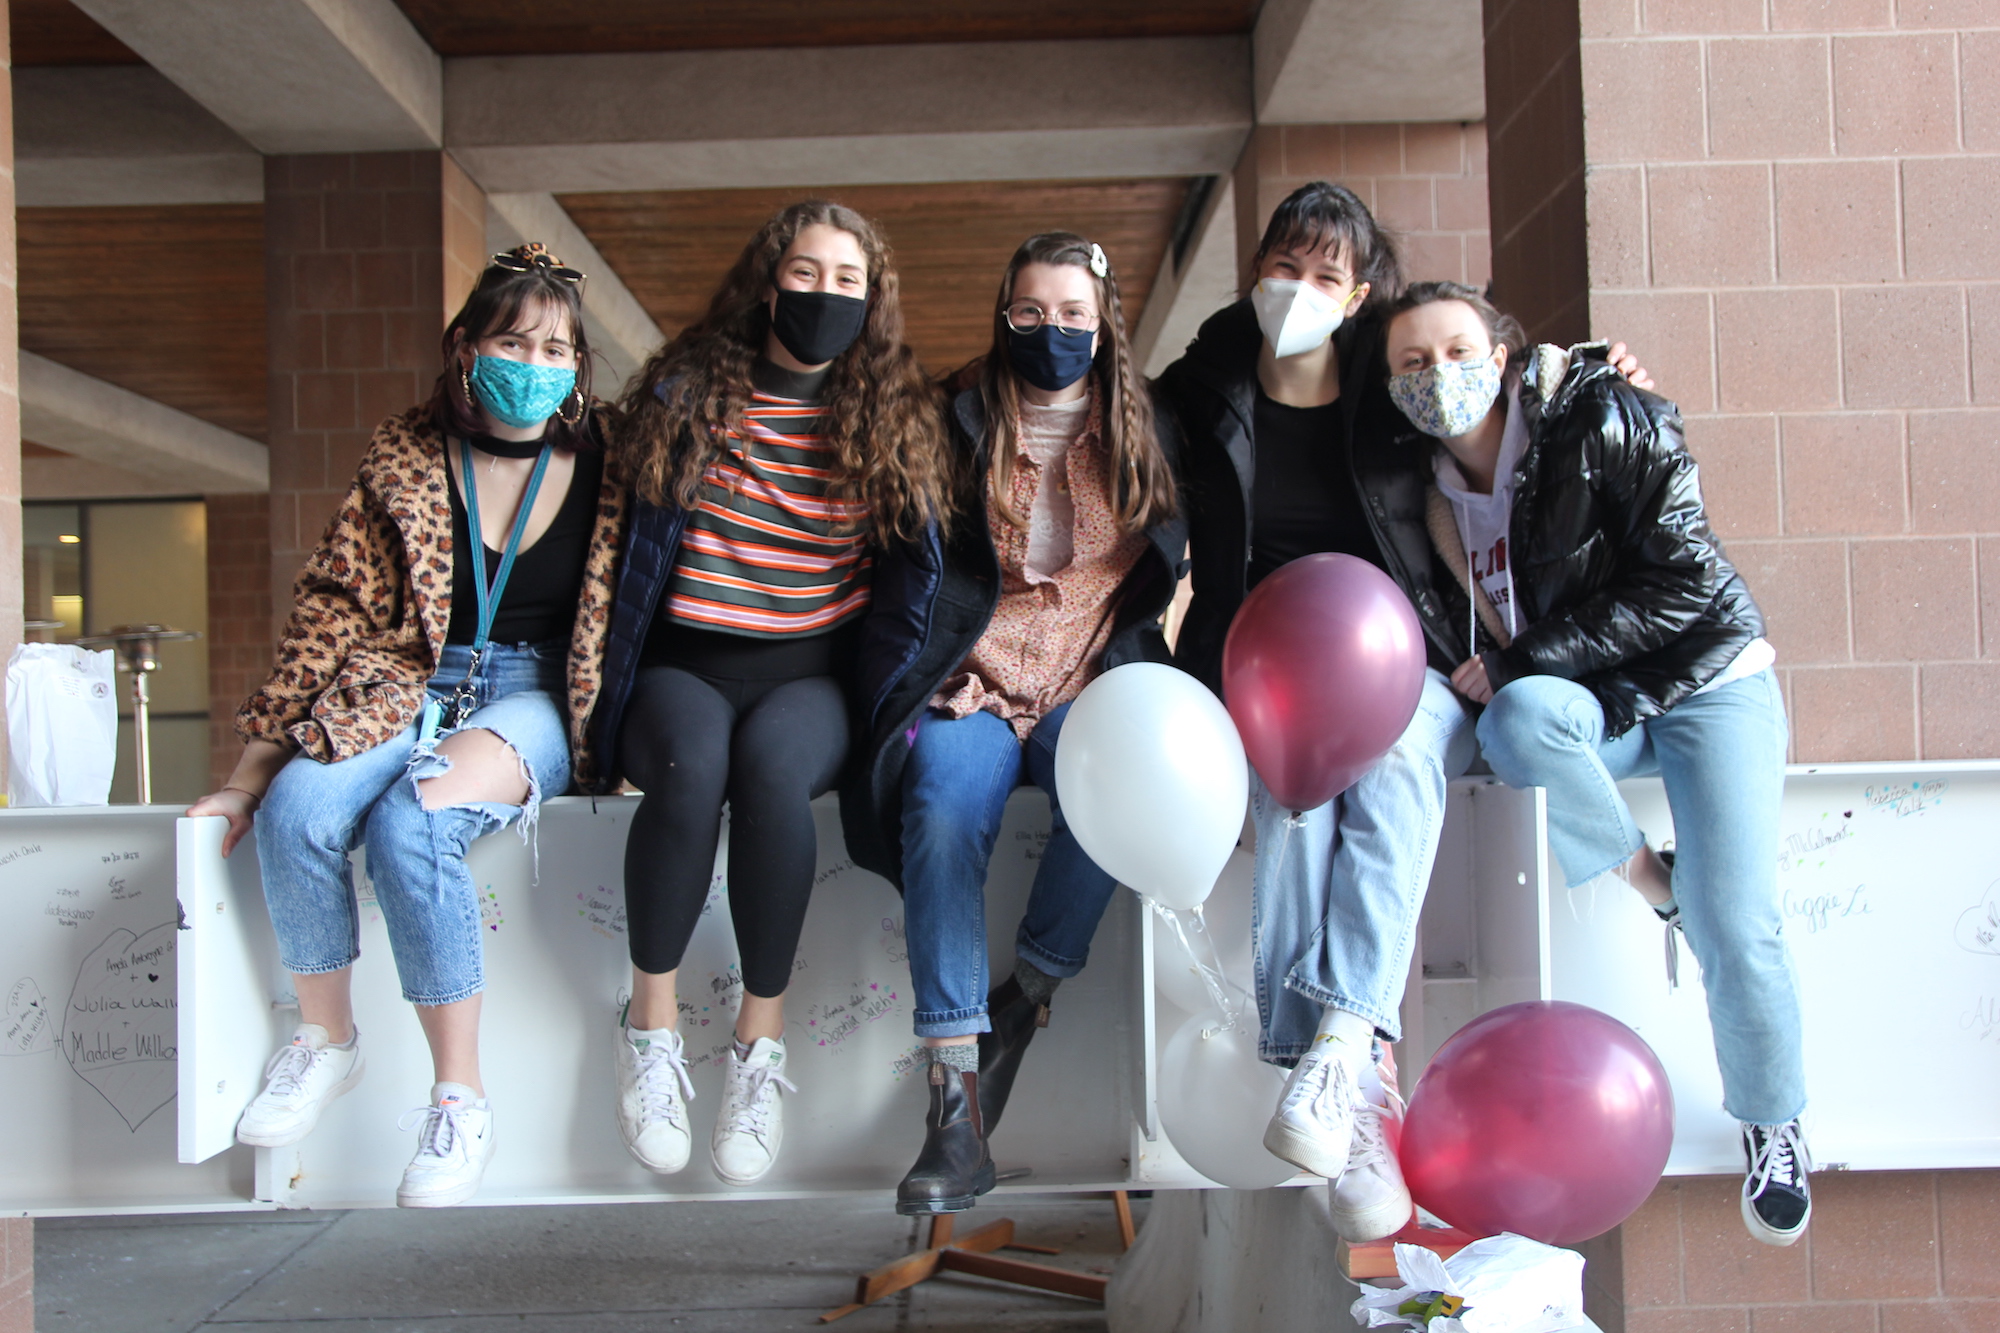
x,y
239,617
355,257
1541,264
1888,1252
1426,183
1791,215
17,1270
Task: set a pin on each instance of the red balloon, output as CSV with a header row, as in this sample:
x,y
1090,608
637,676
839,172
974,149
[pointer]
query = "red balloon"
x,y
1547,1119
1322,671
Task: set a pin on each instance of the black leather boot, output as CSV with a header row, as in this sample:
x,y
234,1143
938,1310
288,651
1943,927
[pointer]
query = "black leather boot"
x,y
954,1168
1015,1020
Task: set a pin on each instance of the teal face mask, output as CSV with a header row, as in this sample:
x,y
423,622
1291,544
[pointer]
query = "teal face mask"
x,y
518,394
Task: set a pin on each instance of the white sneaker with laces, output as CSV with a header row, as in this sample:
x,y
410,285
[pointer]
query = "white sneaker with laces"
x,y
1314,1125
752,1123
653,1093
1370,1200
454,1143
299,1081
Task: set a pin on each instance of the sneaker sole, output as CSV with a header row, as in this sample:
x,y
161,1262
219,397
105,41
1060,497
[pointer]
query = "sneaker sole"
x,y
1383,1220
656,1168
728,1179
1763,1231
287,1140
452,1197
1307,1154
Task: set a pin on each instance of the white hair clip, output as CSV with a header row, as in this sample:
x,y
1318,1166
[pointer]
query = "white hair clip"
x,y
1098,263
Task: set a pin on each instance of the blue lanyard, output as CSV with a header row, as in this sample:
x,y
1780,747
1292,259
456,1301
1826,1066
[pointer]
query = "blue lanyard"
x,y
465,698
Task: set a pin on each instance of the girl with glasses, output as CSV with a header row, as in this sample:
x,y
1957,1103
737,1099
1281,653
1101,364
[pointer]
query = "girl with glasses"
x,y
1062,559
776,444
422,698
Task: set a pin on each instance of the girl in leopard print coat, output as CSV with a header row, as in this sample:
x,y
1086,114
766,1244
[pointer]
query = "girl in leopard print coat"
x,y
420,701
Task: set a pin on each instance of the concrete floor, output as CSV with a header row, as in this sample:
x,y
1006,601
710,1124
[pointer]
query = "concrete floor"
x,y
698,1267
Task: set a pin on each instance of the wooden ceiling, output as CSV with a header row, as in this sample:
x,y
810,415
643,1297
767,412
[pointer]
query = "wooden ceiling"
x,y
165,301
56,32
951,243
541,27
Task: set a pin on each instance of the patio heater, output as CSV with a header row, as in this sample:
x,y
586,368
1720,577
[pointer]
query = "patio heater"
x,y
138,649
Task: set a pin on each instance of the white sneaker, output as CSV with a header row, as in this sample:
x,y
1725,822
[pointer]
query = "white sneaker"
x,y
752,1123
298,1083
1314,1125
454,1143
653,1093
1370,1200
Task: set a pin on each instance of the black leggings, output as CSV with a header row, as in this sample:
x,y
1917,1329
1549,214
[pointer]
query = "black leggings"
x,y
766,746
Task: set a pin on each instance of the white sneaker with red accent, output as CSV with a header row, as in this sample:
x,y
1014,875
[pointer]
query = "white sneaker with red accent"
x,y
454,1143
299,1082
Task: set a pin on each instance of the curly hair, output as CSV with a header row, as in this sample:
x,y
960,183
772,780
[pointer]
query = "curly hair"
x,y
881,416
1143,491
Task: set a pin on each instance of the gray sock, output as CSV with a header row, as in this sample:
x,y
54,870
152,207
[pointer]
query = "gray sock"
x,y
1036,984
963,1057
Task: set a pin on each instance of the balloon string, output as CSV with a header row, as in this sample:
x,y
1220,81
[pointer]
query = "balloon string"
x,y
1217,984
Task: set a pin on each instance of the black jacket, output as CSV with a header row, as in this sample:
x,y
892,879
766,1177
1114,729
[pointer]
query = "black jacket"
x,y
1622,585
931,603
651,545
1213,388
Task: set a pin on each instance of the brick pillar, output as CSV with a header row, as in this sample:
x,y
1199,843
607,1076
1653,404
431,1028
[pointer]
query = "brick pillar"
x,y
366,256
1425,183
1787,209
17,1272
239,617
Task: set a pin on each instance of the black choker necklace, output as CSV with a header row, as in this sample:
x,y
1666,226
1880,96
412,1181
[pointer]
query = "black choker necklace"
x,y
487,444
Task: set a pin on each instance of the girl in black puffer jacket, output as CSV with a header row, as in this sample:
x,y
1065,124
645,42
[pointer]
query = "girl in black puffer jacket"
x,y
1619,640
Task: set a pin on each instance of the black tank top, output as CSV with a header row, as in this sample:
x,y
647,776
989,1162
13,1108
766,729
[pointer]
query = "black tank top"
x,y
540,599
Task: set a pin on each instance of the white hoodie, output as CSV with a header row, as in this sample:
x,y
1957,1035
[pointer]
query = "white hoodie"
x,y
1483,519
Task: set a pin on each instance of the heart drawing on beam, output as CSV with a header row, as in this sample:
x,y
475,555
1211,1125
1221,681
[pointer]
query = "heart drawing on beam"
x,y
25,1025
121,1023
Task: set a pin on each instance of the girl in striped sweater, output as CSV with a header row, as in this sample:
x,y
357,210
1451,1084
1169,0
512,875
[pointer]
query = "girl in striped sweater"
x,y
774,444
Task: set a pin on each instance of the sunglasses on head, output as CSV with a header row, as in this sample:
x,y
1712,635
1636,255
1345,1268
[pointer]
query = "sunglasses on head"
x,y
517,263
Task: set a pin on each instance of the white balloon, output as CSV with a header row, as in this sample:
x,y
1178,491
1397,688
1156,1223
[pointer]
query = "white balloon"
x,y
1153,781
1224,927
1216,1097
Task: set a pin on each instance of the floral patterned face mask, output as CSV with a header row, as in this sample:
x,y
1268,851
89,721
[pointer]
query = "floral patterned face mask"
x,y
1449,398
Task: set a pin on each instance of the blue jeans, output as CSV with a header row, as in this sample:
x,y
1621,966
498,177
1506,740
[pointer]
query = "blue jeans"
x,y
1338,894
315,813
955,788
1721,758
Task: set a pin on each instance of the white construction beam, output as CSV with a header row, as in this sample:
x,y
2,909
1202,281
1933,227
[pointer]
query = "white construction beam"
x,y
293,76
1328,62
123,134
852,115
621,332
101,423
1183,296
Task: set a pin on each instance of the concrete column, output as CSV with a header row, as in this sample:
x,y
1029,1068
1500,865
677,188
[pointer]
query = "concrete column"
x,y
366,256
1426,183
10,427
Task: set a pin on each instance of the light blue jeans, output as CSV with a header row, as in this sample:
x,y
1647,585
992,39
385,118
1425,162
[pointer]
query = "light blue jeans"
x,y
955,788
1338,893
1721,757
315,813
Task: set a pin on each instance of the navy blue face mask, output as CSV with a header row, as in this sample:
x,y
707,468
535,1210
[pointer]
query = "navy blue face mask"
x,y
1050,358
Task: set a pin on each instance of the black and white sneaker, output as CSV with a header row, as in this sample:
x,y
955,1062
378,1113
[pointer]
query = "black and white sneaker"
x,y
1777,1195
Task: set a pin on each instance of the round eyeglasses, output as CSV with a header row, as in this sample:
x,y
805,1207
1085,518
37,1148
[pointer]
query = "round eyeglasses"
x,y
1027,316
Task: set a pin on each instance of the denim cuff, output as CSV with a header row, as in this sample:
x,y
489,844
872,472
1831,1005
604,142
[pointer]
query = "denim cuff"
x,y
952,1022
1054,965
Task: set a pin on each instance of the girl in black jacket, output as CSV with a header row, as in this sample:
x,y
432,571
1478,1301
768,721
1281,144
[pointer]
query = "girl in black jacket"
x,y
1619,641
1064,556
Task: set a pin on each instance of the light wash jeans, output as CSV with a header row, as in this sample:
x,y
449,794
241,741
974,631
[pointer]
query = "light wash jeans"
x,y
1338,893
315,813
955,788
1721,757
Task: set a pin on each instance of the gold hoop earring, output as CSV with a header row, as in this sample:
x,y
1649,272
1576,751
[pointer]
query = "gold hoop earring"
x,y
465,382
572,420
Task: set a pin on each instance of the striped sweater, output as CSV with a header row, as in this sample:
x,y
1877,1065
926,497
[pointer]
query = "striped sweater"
x,y
767,553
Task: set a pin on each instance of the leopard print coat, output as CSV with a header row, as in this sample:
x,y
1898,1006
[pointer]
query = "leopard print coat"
x,y
374,600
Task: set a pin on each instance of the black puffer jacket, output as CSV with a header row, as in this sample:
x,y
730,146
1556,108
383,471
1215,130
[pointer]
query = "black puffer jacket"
x,y
1621,583
1214,389
911,642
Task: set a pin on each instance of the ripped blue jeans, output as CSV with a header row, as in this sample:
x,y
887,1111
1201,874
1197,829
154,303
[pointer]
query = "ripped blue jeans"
x,y
315,814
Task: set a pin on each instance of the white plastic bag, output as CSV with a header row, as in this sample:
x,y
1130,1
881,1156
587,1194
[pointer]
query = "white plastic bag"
x,y
62,725
1510,1284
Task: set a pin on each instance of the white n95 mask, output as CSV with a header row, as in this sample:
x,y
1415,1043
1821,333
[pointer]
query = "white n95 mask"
x,y
1295,316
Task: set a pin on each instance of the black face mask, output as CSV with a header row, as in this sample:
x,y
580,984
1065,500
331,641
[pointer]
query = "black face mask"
x,y
1049,358
816,327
